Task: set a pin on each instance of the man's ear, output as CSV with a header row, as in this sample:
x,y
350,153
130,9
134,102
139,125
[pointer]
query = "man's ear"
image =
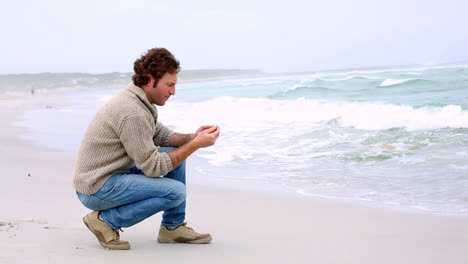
x,y
150,80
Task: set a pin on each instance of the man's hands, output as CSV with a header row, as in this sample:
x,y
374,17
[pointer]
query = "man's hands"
x,y
204,137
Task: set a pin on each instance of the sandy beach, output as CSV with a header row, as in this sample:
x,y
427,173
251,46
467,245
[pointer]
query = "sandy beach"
x,y
41,220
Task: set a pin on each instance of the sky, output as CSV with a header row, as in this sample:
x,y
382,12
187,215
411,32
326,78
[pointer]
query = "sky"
x,y
271,36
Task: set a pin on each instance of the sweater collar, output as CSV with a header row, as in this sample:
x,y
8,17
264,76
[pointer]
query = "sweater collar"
x,y
142,96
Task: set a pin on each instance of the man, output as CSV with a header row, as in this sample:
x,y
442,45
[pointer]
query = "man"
x,y
122,174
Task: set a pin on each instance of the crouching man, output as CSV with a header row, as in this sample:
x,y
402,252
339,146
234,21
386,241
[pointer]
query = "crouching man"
x,y
130,166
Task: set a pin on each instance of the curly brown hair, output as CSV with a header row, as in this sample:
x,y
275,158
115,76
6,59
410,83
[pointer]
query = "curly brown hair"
x,y
157,62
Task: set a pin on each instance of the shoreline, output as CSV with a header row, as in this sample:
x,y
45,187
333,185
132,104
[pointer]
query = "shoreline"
x,y
42,221
281,191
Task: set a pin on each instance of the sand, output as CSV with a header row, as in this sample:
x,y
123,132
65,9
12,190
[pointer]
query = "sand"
x,y
41,219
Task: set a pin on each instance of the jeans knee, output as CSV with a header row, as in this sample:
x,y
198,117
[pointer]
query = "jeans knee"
x,y
180,192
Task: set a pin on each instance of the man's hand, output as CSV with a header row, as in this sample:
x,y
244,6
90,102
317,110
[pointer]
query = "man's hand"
x,y
206,136
204,127
177,139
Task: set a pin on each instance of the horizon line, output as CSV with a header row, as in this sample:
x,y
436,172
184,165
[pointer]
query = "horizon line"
x,y
376,67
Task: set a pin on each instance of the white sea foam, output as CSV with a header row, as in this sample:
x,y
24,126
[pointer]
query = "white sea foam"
x,y
390,82
294,87
264,131
304,114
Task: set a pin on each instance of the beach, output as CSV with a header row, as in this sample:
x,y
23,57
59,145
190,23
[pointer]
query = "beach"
x,y
41,220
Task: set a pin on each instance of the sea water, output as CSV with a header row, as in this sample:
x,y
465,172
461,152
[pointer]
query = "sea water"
x,y
390,136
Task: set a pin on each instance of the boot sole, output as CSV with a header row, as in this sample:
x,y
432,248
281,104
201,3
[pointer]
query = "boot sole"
x,y
102,244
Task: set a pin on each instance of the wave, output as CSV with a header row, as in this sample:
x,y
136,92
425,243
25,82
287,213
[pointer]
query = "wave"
x,y
351,87
301,91
430,85
354,77
391,82
411,70
305,114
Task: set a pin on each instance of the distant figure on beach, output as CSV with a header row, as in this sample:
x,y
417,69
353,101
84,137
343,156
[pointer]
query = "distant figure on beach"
x,y
130,166
32,90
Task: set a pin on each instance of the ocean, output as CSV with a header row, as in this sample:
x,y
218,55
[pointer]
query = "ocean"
x,y
394,136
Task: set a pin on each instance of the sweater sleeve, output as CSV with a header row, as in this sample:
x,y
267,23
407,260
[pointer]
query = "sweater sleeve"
x,y
136,135
162,134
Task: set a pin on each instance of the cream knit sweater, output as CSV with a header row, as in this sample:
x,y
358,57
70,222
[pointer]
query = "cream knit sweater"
x,y
123,133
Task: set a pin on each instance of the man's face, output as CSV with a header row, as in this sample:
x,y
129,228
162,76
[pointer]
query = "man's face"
x,y
160,92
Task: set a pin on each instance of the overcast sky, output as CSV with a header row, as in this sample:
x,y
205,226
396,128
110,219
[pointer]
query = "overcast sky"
x,y
273,36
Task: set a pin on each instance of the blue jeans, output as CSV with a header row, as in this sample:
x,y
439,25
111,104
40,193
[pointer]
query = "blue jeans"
x,y
130,197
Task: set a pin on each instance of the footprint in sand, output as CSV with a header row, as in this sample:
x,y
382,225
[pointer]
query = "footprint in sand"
x,y
9,228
